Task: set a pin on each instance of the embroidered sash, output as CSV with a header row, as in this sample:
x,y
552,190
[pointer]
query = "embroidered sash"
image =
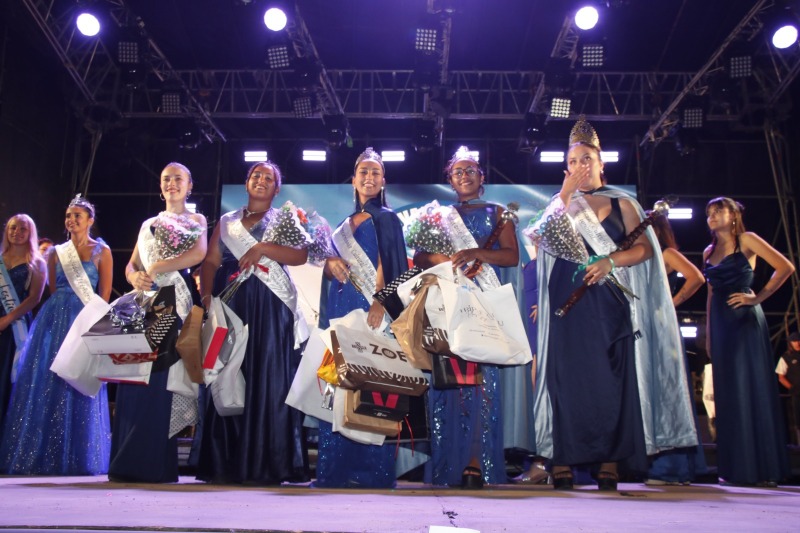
x,y
73,270
360,264
238,240
148,254
462,239
10,299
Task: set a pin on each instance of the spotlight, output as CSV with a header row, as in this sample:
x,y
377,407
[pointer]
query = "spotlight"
x,y
275,19
586,17
551,157
560,107
592,55
337,130
393,156
534,134
785,36
278,56
314,155
189,136
88,24
692,118
424,136
680,213
611,156
303,107
426,39
253,156
740,66
171,103
128,52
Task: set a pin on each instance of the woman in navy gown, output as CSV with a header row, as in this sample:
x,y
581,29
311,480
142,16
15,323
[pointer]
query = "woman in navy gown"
x,y
264,445
23,269
679,466
50,427
589,361
751,442
377,235
467,422
144,445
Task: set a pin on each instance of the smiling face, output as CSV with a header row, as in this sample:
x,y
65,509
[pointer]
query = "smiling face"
x,y
263,183
77,220
176,184
583,156
18,232
368,180
466,179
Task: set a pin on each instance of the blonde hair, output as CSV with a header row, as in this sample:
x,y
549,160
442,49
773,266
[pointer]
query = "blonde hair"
x,y
33,236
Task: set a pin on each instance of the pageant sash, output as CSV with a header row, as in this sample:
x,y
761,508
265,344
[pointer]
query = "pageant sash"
x,y
73,270
10,299
462,239
147,254
351,251
239,241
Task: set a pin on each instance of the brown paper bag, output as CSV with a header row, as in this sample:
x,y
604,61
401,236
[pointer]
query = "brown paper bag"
x,y
190,344
372,424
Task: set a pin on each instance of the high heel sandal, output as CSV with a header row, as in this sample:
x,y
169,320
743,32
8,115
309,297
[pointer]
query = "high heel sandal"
x,y
563,480
607,481
536,475
471,478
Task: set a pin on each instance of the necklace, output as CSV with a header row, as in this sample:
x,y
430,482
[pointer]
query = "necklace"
x,y
247,212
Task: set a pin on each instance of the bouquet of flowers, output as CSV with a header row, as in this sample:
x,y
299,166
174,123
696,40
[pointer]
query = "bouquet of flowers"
x,y
428,232
174,234
321,246
285,227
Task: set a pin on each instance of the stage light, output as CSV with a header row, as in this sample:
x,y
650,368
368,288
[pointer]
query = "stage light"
x,y
586,17
785,36
610,156
560,107
128,52
303,107
191,207
424,136
425,40
170,102
692,117
393,156
689,332
253,156
88,24
534,134
275,19
337,130
740,66
189,136
314,155
680,213
278,56
551,157
592,55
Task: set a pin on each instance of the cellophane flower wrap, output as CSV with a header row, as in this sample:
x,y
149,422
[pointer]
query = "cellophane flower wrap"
x,y
285,227
428,231
321,246
174,235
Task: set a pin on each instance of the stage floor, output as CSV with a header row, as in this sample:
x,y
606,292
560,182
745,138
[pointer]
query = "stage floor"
x,y
94,504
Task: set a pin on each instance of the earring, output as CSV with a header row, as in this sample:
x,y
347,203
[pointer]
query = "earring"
x,y
383,196
188,194
481,190
162,197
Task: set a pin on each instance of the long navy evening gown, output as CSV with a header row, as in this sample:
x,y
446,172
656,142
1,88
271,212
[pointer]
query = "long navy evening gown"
x,y
19,279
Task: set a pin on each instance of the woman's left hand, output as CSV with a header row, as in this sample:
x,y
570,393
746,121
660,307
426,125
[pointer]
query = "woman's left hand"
x,y
250,258
740,299
375,314
464,257
597,271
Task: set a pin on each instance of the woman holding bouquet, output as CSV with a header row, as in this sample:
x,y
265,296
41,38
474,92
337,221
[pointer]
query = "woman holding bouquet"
x,y
466,423
50,427
612,350
371,253
22,275
264,445
144,446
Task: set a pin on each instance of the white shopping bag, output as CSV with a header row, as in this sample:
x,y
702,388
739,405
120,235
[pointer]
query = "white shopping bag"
x,y
135,374
73,362
708,391
215,328
485,327
228,389
306,393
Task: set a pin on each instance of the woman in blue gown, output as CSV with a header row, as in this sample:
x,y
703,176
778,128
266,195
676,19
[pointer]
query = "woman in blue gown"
x,y
51,428
378,235
144,444
22,268
467,422
265,444
751,441
679,466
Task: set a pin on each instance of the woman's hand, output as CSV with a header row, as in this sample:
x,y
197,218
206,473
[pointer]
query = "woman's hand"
x,y
573,181
141,280
597,271
338,268
463,257
251,257
741,299
375,314
534,313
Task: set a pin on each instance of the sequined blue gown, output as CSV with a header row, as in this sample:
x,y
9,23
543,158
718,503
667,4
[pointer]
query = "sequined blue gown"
x,y
19,278
751,441
51,428
343,462
265,444
467,422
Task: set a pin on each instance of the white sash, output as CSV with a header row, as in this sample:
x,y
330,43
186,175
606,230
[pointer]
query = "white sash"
x,y
10,302
147,252
239,241
73,269
462,239
351,251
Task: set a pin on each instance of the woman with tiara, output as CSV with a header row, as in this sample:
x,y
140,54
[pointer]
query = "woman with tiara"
x,y
611,369
251,246
371,241
22,275
50,427
466,422
144,447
